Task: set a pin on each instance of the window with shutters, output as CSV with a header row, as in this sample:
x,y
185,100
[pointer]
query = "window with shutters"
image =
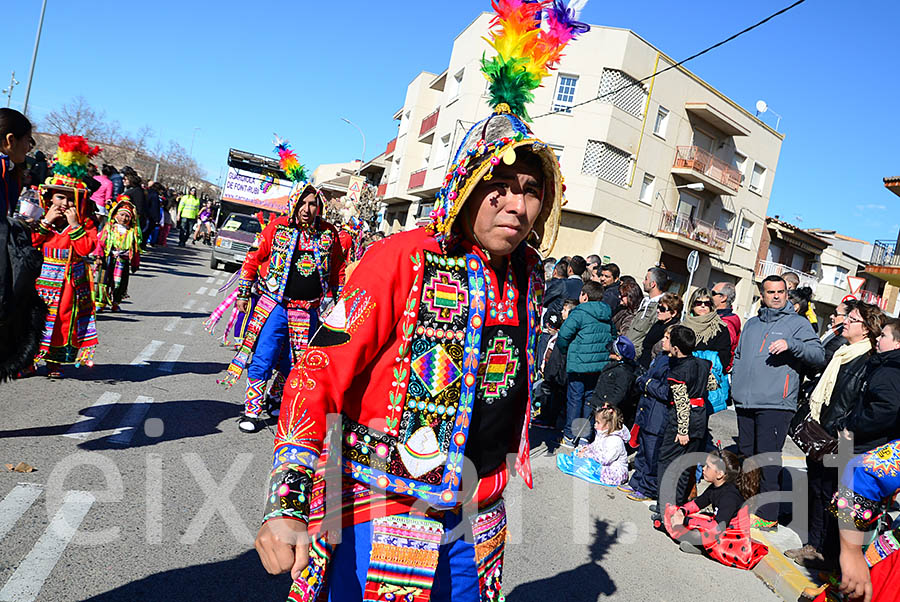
x,y
647,189
606,162
758,178
623,91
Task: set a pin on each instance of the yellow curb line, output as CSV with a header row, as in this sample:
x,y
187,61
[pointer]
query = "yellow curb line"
x,y
786,571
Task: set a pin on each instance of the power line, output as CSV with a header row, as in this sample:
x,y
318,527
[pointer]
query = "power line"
x,y
678,64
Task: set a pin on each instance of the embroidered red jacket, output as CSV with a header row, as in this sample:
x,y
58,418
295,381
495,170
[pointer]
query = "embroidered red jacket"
x,y
410,317
270,261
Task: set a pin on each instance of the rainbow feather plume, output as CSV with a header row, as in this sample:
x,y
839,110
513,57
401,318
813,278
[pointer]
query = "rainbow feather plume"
x,y
287,158
526,52
73,155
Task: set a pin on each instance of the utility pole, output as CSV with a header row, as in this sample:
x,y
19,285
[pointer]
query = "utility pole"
x,y
37,42
13,82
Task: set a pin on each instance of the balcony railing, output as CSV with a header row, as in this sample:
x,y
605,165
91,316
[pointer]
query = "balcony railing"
x,y
885,253
873,298
390,148
701,161
429,123
417,179
382,189
770,268
694,229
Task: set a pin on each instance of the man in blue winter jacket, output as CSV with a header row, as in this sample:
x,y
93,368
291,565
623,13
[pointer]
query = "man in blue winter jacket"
x,y
775,347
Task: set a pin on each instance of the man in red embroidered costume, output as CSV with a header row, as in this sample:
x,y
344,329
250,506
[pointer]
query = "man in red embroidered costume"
x,y
296,263
428,357
65,235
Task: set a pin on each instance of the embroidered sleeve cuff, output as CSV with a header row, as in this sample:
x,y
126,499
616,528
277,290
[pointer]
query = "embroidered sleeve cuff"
x,y
854,510
77,233
290,487
42,228
244,286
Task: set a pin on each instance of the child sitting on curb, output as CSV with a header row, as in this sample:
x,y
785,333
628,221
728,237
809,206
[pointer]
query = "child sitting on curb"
x,y
725,535
604,461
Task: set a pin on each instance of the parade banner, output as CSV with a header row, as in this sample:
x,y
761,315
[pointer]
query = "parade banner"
x,y
264,191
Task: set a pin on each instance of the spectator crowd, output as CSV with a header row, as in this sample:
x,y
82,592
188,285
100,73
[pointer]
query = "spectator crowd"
x,y
635,365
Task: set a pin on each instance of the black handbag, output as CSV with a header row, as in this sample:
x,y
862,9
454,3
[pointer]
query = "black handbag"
x,y
810,437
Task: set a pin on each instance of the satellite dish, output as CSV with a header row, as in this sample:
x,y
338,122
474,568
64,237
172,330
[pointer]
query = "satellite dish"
x,y
761,106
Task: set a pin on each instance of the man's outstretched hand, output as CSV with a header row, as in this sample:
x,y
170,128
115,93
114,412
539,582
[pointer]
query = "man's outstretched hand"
x,y
283,545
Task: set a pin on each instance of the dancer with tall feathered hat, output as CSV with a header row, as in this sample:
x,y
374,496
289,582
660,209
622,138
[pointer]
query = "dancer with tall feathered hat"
x,y
66,235
428,358
295,264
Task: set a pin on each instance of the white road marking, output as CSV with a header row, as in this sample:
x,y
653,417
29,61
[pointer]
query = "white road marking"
x,y
172,356
189,331
135,417
213,292
210,280
220,282
204,308
201,291
26,583
14,505
87,424
173,322
147,353
190,303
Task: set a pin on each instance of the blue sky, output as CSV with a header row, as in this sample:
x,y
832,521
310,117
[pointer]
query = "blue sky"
x,y
240,71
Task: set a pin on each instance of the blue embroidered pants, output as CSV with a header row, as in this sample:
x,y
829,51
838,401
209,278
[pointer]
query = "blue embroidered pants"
x,y
273,348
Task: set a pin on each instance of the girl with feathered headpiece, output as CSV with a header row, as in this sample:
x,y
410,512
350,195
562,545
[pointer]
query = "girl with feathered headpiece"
x,y
65,236
120,250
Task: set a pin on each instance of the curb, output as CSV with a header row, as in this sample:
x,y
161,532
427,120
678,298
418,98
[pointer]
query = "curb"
x,y
780,573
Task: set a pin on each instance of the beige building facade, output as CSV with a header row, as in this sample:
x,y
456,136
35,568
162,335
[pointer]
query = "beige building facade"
x,y
654,170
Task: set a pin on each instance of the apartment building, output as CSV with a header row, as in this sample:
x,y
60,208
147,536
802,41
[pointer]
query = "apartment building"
x,y
654,170
824,260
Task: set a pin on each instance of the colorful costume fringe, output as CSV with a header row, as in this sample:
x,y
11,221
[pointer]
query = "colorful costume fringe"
x,y
733,547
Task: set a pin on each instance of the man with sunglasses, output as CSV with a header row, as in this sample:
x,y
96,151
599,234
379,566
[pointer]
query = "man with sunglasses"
x,y
776,347
723,295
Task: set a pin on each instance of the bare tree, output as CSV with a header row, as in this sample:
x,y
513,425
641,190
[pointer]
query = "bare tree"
x,y
78,118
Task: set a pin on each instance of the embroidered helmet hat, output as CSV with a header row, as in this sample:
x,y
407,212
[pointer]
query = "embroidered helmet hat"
x,y
501,138
73,157
123,204
529,37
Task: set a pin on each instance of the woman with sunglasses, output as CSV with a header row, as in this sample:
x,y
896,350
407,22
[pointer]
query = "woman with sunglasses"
x,y
831,403
667,313
711,331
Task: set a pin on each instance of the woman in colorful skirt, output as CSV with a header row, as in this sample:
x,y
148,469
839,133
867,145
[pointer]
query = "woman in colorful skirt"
x,y
65,235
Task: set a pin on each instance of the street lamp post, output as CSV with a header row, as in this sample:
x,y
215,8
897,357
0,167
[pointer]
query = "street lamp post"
x,y
37,42
363,158
13,82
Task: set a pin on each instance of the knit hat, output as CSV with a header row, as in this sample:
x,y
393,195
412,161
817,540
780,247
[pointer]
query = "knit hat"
x,y
526,53
73,156
623,347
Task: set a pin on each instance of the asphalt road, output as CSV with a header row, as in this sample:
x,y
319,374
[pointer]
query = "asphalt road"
x,y
146,490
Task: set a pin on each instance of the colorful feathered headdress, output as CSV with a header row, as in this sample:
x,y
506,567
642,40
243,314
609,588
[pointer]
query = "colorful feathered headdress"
x,y
526,51
296,173
73,155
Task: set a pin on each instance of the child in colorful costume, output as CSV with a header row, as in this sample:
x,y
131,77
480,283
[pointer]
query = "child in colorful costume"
x,y
65,236
429,357
120,251
296,263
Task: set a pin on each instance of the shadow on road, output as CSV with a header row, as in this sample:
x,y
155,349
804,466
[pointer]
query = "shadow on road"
x,y
115,373
585,583
180,420
236,580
